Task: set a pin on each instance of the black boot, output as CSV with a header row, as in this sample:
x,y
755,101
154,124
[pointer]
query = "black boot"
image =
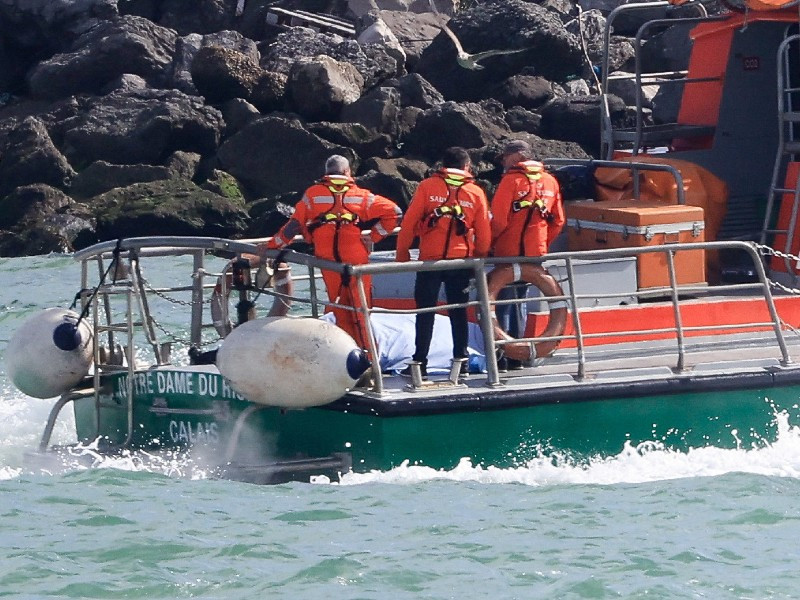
x,y
514,365
502,362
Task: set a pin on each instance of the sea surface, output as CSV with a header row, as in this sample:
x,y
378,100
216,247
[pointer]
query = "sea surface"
x,y
646,523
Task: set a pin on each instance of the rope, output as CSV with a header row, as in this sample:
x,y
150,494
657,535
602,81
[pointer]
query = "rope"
x,y
114,262
585,49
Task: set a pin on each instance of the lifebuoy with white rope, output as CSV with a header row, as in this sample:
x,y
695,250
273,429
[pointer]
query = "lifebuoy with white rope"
x,y
280,279
506,274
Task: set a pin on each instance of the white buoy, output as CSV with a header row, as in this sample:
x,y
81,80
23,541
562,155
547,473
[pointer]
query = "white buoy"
x,y
290,362
48,354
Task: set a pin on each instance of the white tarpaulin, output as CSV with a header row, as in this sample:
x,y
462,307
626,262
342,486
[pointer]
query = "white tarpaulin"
x,y
394,335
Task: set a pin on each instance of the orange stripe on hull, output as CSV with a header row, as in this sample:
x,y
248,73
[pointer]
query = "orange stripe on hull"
x,y
644,318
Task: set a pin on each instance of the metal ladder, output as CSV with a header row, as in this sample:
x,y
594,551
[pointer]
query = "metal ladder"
x,y
788,151
108,321
642,136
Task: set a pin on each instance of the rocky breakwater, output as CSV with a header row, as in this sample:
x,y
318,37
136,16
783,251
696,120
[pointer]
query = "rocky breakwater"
x,y
146,117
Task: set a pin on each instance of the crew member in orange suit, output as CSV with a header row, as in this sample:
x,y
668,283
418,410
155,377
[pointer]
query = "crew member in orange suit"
x,y
450,216
331,215
527,215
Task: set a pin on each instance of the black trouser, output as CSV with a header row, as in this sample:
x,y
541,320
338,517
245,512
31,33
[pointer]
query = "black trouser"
x,y
426,293
512,317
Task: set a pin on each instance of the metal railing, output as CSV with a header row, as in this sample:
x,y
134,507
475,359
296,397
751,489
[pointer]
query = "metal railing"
x,y
579,337
673,292
636,138
635,167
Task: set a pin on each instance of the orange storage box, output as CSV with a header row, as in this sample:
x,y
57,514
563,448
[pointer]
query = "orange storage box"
x,y
633,224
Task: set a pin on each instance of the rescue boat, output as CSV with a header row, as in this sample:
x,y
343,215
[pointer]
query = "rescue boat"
x,y
666,313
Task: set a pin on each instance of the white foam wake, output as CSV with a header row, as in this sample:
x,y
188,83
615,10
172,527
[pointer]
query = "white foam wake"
x,y
649,461
23,420
173,463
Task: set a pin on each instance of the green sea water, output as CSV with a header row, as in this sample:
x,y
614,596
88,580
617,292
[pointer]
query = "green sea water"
x,y
646,523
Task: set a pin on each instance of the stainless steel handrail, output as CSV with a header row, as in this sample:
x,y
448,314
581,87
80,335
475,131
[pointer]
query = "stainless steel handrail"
x,y
482,303
637,45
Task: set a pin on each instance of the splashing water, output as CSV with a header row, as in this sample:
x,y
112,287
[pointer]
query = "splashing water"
x,y
649,461
22,420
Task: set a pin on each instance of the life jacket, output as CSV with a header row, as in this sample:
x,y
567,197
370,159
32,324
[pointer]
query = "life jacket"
x,y
449,215
533,203
337,216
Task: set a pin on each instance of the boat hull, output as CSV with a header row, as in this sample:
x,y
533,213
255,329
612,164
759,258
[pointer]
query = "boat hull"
x,y
182,409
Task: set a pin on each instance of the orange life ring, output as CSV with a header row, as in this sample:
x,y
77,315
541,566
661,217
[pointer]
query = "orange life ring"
x,y
279,279
506,274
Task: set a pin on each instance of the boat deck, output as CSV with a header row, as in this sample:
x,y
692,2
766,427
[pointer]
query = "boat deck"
x,y
633,369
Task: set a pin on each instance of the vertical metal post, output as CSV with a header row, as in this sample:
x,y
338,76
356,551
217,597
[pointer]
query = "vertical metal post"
x,y
131,367
197,299
773,312
487,329
144,309
95,341
676,309
786,136
84,282
106,305
576,319
312,288
96,378
374,357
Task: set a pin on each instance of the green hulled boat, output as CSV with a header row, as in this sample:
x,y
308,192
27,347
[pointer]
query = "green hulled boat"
x,y
677,323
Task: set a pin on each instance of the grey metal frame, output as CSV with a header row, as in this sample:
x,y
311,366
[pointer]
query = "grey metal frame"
x,y
788,119
608,137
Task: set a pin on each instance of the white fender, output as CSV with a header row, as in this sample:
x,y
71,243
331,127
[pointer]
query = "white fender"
x,y
290,362
35,360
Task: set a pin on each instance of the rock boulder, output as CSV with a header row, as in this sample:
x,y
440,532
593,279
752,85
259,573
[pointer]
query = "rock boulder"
x,y
141,127
543,43
220,74
30,157
319,88
125,45
452,124
275,155
170,207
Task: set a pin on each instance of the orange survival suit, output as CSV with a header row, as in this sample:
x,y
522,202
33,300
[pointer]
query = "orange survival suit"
x,y
449,214
527,211
331,215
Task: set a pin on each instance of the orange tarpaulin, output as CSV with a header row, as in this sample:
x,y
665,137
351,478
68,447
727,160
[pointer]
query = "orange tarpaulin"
x,y
700,188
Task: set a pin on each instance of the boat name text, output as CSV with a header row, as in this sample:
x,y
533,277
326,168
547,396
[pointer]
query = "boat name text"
x,y
188,432
176,382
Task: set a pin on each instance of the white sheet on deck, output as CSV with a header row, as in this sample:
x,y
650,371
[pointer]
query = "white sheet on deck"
x,y
395,334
